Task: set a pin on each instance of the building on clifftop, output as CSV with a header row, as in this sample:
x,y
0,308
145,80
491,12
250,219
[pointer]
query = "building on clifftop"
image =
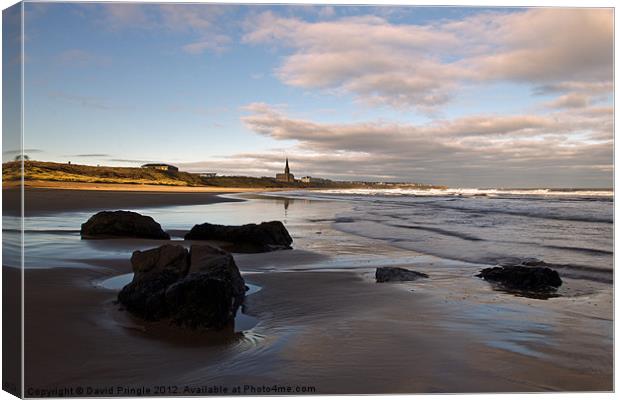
x,y
286,176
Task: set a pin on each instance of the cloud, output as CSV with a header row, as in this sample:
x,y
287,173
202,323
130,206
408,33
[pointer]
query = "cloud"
x,y
423,65
199,20
93,102
215,43
131,161
570,100
24,151
326,12
496,149
118,16
91,155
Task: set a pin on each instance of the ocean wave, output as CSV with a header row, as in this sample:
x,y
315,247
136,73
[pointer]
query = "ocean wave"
x,y
559,212
473,192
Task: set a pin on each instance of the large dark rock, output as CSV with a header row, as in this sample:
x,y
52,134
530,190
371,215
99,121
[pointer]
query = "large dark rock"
x,y
173,259
198,289
524,278
122,223
146,298
218,264
154,270
396,274
200,301
266,236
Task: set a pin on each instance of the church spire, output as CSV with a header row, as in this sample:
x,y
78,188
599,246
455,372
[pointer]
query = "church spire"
x,y
286,176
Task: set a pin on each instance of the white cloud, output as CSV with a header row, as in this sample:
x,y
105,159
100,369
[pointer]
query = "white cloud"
x,y
408,65
200,20
216,43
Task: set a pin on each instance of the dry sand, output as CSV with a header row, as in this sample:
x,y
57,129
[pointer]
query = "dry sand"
x,y
337,332
126,187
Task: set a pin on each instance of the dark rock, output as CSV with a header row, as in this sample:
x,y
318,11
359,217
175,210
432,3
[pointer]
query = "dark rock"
x,y
519,277
396,274
198,289
146,298
266,236
154,270
122,223
200,301
218,264
151,263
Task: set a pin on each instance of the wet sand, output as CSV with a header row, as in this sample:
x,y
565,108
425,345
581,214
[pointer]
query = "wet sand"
x,y
43,200
336,331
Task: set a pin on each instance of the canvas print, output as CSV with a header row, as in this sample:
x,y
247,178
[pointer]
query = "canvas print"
x,y
205,199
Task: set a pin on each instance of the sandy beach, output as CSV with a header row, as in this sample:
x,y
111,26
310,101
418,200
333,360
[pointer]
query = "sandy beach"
x,y
323,324
64,197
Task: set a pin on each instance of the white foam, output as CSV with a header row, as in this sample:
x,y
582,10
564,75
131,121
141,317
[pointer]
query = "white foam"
x,y
470,192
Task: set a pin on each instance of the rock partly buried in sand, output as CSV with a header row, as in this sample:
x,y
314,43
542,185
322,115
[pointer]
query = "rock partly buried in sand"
x,y
266,236
523,278
122,223
198,289
396,274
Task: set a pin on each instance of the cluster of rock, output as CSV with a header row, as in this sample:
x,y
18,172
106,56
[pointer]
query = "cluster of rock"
x,y
530,276
266,236
201,288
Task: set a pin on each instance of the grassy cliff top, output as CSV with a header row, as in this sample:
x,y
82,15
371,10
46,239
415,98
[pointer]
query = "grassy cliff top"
x,y
56,172
50,171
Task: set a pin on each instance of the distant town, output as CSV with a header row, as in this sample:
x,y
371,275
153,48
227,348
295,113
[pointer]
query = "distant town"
x,y
171,175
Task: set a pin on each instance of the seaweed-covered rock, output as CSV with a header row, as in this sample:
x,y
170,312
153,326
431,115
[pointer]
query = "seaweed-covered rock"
x,y
266,236
122,223
396,274
525,278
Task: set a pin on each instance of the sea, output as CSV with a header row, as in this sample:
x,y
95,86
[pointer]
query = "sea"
x,y
569,228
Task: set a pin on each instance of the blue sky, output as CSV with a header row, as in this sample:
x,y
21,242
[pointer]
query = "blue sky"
x,y
457,96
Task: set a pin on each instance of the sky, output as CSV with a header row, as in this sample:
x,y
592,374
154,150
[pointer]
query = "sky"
x,y
465,97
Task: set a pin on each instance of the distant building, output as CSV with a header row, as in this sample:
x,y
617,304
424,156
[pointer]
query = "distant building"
x,y
309,179
162,167
207,174
286,176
